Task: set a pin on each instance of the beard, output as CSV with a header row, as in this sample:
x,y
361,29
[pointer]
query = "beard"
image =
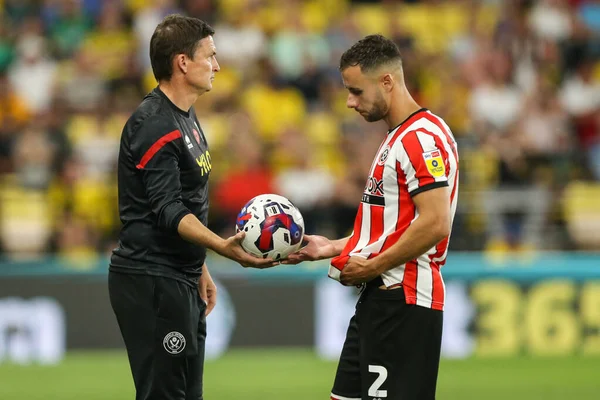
x,y
378,111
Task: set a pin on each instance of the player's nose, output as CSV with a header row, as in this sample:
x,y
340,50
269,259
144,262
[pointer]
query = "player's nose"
x,y
351,102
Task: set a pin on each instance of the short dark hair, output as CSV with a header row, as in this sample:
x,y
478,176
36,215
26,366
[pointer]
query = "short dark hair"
x,y
370,53
176,34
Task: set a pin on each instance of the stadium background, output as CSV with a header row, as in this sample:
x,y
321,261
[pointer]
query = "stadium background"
x,y
517,81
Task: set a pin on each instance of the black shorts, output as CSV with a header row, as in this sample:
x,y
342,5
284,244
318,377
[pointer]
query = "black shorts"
x,y
392,349
163,324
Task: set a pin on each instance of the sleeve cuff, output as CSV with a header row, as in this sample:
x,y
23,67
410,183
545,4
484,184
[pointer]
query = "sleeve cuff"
x,y
425,188
172,215
178,217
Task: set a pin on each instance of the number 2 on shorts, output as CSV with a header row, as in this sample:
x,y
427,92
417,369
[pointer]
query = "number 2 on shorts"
x,y
374,389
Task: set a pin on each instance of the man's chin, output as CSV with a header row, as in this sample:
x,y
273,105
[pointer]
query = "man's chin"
x,y
204,89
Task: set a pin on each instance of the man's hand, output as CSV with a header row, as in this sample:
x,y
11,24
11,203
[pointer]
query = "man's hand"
x,y
207,290
318,248
359,270
232,249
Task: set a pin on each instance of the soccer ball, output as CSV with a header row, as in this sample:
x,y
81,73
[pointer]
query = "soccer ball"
x,y
274,226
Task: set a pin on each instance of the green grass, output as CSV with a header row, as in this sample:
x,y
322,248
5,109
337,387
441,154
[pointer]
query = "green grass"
x,y
300,375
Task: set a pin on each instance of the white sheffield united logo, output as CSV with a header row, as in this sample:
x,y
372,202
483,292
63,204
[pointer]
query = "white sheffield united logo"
x,y
174,343
384,155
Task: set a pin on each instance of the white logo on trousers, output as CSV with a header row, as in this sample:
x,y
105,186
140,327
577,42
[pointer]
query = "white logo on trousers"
x,y
174,343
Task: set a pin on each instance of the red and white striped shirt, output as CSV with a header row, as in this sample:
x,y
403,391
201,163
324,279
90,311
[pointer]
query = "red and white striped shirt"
x,y
418,155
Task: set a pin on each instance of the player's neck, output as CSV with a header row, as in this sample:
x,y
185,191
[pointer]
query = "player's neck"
x,y
402,107
179,95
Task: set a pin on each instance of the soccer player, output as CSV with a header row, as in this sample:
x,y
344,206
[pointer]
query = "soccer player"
x,y
159,285
400,237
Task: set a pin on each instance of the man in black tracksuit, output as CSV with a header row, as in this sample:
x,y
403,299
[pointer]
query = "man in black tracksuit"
x,y
159,285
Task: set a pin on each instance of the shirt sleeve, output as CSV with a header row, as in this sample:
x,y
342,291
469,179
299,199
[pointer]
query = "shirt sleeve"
x,y
424,162
155,149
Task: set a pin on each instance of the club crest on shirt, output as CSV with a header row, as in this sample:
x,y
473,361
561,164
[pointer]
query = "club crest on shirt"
x,y
435,163
196,135
383,156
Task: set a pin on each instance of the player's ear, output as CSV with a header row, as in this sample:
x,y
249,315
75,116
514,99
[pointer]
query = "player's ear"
x,y
388,82
181,62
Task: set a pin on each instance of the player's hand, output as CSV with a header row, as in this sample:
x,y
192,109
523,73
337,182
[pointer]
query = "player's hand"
x,y
317,248
233,249
208,290
358,270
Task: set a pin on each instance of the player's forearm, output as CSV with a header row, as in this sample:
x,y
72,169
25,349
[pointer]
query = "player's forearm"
x,y
205,270
421,235
338,246
191,229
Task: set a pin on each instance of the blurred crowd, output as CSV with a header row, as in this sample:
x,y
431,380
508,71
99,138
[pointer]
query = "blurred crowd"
x,y
518,82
